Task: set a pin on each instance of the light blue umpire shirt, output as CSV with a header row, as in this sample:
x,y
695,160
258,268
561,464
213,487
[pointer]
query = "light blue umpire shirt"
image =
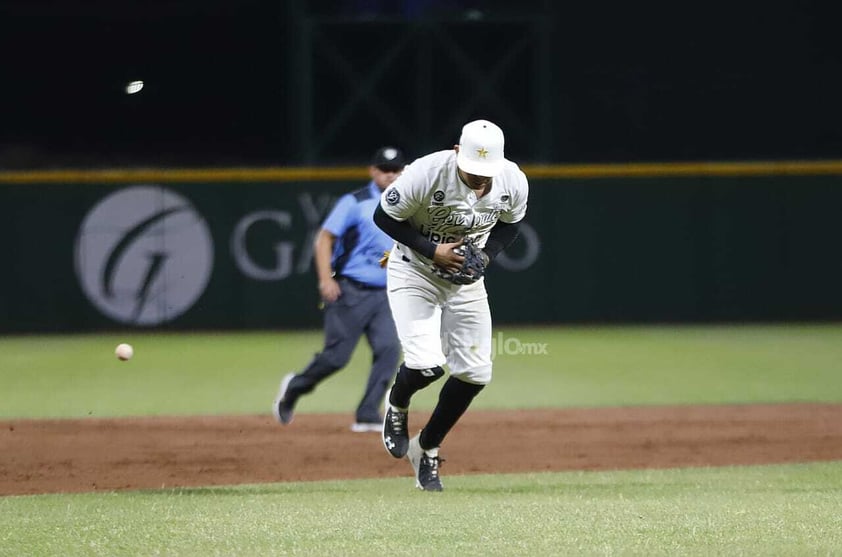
x,y
359,242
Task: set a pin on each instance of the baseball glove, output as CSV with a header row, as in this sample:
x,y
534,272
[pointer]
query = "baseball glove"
x,y
473,268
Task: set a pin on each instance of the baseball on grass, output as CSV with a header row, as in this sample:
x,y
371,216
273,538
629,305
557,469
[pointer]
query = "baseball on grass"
x,y
124,351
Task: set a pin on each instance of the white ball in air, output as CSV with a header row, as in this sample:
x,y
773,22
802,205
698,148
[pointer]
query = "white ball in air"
x,y
124,351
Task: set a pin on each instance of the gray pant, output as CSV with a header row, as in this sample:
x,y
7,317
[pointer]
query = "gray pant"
x,y
357,312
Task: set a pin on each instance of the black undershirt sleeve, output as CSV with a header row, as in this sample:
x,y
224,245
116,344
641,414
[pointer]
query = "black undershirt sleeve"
x,y
500,237
403,233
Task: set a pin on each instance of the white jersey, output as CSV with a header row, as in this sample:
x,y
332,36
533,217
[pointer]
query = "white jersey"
x,y
430,195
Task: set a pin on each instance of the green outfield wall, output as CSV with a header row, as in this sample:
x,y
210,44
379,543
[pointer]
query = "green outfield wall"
x,y
232,249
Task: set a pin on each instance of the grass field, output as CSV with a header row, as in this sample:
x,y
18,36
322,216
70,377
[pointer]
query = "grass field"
x,y
238,373
777,510
766,510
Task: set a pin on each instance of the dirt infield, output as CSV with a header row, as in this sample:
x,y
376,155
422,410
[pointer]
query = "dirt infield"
x,y
41,456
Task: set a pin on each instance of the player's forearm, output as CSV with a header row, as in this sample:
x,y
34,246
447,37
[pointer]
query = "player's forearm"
x,y
322,254
501,236
404,234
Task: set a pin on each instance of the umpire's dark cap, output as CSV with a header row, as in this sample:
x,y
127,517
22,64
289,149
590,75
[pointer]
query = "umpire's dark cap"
x,y
388,159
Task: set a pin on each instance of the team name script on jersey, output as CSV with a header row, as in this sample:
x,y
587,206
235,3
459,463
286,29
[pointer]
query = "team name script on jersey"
x,y
449,224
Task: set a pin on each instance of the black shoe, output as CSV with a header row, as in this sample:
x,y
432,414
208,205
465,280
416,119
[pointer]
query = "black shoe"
x,y
426,466
283,406
395,435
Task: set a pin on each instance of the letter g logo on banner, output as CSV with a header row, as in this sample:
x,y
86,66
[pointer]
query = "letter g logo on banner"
x,y
144,255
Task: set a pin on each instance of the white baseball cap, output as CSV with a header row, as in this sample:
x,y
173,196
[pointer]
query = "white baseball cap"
x,y
481,148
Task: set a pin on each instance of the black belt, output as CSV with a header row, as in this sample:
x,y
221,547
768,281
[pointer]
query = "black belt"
x,y
360,285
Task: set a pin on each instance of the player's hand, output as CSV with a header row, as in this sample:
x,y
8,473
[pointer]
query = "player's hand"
x,y
329,290
447,258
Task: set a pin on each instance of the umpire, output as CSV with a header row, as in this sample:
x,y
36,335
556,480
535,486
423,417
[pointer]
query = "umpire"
x,y
352,285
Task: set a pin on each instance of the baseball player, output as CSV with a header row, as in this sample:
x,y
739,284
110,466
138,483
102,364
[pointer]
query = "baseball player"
x,y
352,285
450,213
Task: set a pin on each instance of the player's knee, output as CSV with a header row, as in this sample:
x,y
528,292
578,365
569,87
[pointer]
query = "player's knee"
x,y
415,379
477,376
432,373
335,358
425,361
409,381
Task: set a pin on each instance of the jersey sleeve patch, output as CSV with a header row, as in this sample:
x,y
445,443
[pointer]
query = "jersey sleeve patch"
x,y
393,197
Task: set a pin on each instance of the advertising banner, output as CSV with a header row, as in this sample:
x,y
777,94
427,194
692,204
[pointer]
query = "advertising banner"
x,y
234,254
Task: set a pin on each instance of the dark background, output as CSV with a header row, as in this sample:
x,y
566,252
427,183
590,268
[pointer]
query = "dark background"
x,y
256,83
288,83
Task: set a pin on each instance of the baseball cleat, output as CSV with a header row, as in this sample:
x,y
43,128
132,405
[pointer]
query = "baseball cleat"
x,y
425,464
282,407
395,435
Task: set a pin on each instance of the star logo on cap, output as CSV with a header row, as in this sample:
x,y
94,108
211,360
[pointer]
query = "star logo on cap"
x,y
482,152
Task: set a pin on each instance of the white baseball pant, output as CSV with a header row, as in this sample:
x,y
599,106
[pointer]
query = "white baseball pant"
x,y
440,323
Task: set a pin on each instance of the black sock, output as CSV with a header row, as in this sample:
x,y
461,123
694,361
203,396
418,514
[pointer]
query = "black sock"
x,y
409,381
454,399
